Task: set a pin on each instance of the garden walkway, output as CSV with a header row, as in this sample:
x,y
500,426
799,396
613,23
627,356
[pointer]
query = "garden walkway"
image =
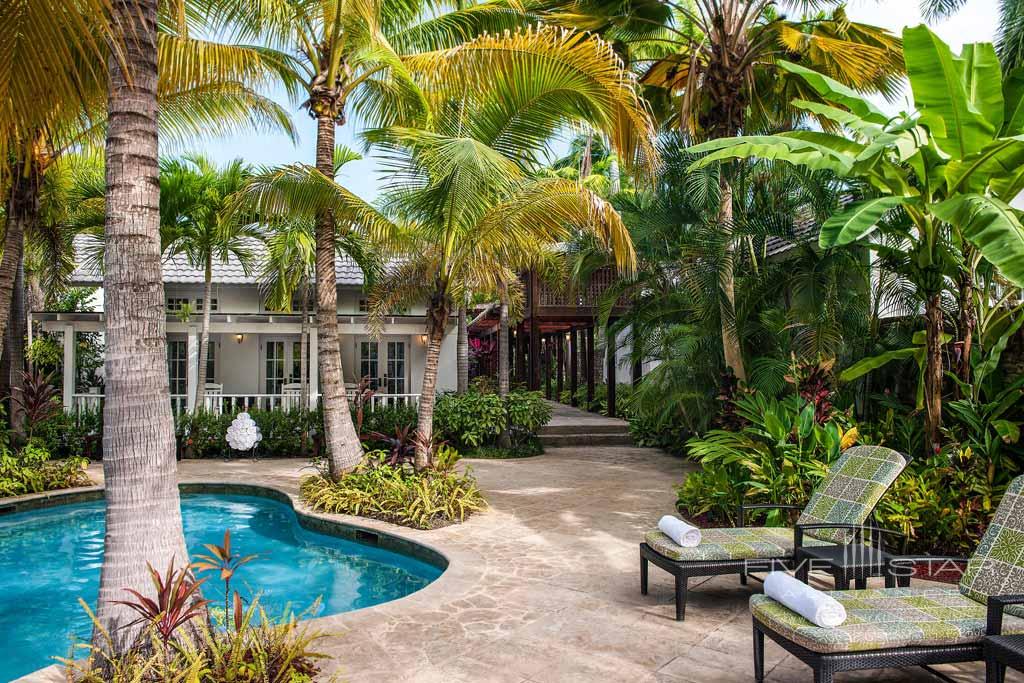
x,y
544,586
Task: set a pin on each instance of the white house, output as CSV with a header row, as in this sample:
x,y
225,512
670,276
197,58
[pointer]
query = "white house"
x,y
255,354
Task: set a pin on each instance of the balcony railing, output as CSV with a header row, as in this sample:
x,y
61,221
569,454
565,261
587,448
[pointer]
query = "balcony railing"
x,y
232,403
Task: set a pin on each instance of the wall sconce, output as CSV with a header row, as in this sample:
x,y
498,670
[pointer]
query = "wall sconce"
x,y
423,339
239,338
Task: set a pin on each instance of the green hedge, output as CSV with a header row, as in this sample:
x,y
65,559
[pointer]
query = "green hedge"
x,y
475,419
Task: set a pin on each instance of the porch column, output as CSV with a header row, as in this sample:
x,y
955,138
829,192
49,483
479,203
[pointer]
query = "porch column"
x,y
574,365
314,369
590,365
534,355
560,362
192,369
69,369
610,379
547,362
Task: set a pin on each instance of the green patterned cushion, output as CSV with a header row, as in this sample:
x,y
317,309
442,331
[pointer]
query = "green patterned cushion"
x,y
746,543
853,487
885,618
997,566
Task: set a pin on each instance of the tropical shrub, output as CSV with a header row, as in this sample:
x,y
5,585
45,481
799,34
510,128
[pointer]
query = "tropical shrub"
x,y
386,420
474,419
778,456
31,470
426,499
77,434
178,642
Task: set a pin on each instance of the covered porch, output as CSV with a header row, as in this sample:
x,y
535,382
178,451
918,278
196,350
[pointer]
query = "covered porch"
x,y
261,361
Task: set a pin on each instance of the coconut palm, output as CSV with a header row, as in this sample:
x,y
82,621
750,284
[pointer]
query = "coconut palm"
x,y
143,518
204,87
193,213
351,56
464,188
710,68
289,265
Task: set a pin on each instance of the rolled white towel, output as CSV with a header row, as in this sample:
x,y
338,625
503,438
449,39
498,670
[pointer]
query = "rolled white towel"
x,y
813,605
679,531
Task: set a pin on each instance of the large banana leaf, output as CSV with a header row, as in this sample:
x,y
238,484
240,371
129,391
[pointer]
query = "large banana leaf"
x,y
999,160
866,365
992,226
960,122
856,221
809,153
834,91
841,116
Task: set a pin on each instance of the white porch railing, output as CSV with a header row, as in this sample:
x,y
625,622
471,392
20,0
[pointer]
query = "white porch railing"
x,y
220,403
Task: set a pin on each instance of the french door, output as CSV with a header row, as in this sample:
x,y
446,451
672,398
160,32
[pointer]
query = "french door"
x,y
282,364
384,363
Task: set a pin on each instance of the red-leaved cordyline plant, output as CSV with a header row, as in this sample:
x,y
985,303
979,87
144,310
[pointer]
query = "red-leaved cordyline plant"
x,y
178,602
222,559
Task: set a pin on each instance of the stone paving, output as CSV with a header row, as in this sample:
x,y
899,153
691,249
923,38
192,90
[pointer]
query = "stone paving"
x,y
544,586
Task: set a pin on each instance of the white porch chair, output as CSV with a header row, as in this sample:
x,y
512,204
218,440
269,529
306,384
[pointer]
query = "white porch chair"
x,y
291,396
212,401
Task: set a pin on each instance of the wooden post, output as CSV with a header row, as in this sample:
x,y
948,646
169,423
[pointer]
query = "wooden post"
x,y
560,363
574,365
534,356
590,365
610,378
521,372
547,367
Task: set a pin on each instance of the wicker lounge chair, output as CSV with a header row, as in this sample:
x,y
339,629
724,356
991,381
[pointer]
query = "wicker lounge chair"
x,y
897,627
844,501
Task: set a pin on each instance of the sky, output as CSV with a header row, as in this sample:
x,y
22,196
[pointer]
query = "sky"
x,y
974,23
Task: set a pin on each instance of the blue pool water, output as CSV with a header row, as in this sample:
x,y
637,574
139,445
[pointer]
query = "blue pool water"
x,y
49,558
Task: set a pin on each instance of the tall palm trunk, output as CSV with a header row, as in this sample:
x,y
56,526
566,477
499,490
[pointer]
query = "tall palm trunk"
x,y
22,213
462,350
933,369
204,336
727,282
504,440
17,330
437,320
143,512
344,451
968,321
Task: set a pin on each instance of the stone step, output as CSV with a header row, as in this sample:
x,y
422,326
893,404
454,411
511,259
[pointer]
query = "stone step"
x,y
581,440
584,427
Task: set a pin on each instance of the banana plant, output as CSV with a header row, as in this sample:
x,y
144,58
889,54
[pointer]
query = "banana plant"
x,y
952,164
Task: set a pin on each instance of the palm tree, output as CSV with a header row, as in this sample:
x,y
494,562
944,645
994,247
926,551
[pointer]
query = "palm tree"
x,y
143,516
193,212
464,186
710,69
289,266
351,55
204,88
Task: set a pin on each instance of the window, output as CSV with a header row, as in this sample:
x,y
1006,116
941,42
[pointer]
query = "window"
x,y
364,306
177,365
369,362
211,359
175,304
275,366
296,361
199,305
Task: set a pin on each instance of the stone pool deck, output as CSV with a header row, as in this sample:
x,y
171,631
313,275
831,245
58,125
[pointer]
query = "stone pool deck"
x,y
544,586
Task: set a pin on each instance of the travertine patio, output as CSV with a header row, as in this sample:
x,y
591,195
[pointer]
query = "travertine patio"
x,y
544,585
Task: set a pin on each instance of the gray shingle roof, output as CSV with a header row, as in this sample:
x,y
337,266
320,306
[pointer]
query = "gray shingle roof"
x,y
176,270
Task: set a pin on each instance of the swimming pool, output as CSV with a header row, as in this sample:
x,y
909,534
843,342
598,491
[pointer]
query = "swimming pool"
x,y
51,557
